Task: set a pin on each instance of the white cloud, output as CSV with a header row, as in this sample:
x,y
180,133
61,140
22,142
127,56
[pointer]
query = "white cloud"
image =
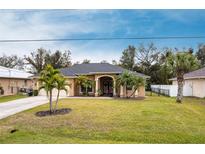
x,y
48,24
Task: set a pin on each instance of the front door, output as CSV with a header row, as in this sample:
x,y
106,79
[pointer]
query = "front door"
x,y
107,88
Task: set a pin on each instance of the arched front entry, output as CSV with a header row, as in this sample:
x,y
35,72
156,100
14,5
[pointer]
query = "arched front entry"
x,y
105,86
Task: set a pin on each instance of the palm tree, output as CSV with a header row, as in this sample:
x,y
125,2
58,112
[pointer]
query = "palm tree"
x,y
136,83
182,63
128,79
60,85
85,82
48,80
124,80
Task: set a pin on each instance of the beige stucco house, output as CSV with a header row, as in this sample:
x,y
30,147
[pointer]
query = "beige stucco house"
x,y
11,80
194,84
104,76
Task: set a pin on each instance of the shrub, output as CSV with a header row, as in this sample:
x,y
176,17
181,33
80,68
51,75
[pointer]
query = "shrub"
x,y
1,91
35,92
100,92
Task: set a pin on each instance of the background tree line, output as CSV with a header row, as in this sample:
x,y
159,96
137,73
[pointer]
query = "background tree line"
x,y
153,61
147,59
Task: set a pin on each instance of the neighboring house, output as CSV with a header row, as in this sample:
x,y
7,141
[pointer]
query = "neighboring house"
x,y
11,80
194,85
104,76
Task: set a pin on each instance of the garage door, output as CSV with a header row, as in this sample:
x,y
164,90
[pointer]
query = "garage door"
x,y
63,93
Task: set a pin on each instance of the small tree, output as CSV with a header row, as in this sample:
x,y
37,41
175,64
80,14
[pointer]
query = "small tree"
x,y
130,80
182,63
48,79
60,85
136,83
85,82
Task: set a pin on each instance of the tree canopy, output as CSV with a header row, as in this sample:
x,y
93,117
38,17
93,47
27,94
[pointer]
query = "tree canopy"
x,y
42,57
131,81
181,63
12,61
128,58
200,54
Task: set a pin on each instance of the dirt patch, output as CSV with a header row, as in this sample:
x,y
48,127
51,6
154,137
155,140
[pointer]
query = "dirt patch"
x,y
57,112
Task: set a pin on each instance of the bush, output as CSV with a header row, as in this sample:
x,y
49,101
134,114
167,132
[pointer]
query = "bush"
x,y
1,91
35,92
100,92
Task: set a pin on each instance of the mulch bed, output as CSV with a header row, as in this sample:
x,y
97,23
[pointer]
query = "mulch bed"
x,y
57,112
131,98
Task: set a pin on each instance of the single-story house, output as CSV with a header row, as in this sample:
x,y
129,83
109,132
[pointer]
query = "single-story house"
x,y
11,80
104,76
194,84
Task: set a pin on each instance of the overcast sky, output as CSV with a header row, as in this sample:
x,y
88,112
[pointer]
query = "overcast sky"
x,y
48,24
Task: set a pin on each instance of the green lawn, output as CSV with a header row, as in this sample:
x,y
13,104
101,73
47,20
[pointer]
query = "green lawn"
x,y
153,120
11,98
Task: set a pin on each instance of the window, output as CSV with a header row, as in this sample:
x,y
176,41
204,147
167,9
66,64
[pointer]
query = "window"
x,y
83,89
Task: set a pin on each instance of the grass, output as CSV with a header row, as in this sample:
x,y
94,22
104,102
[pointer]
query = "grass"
x,y
11,98
153,120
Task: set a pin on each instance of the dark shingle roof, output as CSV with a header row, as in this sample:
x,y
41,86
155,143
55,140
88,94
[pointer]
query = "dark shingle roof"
x,y
200,73
94,68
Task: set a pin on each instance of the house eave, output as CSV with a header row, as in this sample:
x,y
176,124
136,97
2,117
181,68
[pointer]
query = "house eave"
x,y
189,78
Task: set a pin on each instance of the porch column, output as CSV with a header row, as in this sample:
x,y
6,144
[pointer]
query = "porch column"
x,y
114,87
72,88
37,84
96,87
121,91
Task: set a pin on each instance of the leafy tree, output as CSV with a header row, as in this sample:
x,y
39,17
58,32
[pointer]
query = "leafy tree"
x,y
129,80
146,57
60,85
86,61
37,60
164,72
48,79
181,63
59,59
200,54
40,58
85,82
127,60
12,61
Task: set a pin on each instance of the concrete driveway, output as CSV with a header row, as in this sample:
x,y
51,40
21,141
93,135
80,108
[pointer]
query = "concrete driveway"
x,y
19,105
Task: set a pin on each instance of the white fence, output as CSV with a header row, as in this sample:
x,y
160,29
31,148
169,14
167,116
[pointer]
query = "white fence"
x,y
171,90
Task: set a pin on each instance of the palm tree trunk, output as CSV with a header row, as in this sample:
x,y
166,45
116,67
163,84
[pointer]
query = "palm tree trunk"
x,y
126,91
86,90
57,99
50,101
180,89
133,93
